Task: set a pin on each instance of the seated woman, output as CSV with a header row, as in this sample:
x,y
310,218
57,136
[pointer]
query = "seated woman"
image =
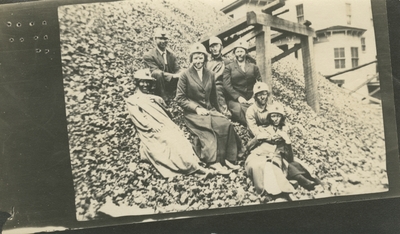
x,y
271,164
161,141
215,141
239,78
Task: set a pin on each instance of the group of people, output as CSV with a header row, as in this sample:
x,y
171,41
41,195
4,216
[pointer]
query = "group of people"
x,y
213,92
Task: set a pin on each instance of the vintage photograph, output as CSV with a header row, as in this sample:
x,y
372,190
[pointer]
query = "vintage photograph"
x,y
177,106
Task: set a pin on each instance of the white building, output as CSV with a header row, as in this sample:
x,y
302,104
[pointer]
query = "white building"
x,y
345,35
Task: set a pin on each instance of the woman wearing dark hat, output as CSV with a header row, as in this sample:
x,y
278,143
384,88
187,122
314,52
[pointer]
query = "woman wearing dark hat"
x,y
239,78
161,141
216,141
271,164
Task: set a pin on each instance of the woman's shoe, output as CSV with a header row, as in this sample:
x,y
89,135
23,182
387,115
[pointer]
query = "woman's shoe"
x,y
231,166
305,183
219,169
208,175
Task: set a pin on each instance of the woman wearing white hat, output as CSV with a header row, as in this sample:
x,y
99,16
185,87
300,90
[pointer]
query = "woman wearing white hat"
x,y
239,78
161,141
216,141
271,164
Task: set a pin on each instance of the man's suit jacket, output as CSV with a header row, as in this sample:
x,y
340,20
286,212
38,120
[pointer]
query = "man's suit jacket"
x,y
238,82
155,61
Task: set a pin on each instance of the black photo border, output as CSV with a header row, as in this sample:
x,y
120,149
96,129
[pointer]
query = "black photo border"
x,y
285,215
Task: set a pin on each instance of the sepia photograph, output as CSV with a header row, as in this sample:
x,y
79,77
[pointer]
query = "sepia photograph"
x,y
176,106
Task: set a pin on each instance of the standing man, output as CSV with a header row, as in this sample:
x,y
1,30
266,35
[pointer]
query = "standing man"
x,y
163,65
239,78
217,64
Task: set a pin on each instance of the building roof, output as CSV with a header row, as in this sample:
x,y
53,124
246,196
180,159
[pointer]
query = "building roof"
x,y
232,6
338,28
235,4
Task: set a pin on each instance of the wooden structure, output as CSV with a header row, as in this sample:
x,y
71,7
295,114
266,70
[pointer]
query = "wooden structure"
x,y
366,82
259,25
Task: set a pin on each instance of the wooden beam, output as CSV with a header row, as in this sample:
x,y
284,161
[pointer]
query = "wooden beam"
x,y
310,73
228,40
286,53
278,36
227,30
372,99
362,84
263,52
349,70
269,8
250,35
274,38
279,24
375,91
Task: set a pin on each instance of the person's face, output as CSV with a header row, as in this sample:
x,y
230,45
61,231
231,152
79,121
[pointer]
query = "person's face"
x,y
240,54
276,118
145,86
198,60
161,42
262,98
215,49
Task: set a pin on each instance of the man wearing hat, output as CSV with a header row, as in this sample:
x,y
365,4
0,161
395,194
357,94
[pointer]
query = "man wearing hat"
x,y
217,64
239,78
163,65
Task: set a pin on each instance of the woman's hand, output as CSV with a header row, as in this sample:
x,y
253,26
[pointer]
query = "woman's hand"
x,y
285,137
250,101
241,100
276,138
202,111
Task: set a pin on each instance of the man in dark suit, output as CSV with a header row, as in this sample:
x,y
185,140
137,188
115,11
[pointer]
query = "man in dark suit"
x,y
163,65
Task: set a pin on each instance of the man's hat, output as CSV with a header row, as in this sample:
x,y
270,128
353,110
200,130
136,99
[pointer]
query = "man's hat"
x,y
214,40
143,74
160,32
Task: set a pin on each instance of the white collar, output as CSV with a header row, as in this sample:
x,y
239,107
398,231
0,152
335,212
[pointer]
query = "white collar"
x,y
161,52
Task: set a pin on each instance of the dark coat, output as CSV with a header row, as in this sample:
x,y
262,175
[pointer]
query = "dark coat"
x,y
238,82
214,136
192,92
155,61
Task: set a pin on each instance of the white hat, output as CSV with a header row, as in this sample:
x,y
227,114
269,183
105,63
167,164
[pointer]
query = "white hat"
x,y
259,87
198,48
241,44
276,108
214,40
160,32
143,74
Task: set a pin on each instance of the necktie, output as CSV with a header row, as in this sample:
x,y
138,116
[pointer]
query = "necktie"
x,y
165,57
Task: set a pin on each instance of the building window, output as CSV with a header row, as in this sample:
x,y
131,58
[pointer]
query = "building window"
x,y
300,13
348,13
354,56
363,46
340,61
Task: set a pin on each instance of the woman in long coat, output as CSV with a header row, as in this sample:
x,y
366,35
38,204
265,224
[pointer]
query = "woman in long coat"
x,y
239,78
162,143
216,141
